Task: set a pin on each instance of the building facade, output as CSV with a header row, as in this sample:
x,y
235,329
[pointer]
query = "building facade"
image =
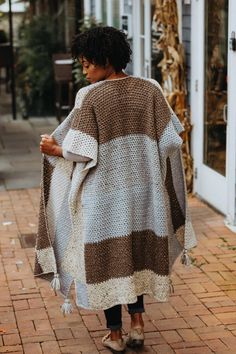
x,y
207,29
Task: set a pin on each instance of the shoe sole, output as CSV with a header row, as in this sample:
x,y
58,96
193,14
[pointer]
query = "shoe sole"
x,y
135,343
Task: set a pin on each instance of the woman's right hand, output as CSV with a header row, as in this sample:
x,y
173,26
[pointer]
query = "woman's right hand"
x,y
49,146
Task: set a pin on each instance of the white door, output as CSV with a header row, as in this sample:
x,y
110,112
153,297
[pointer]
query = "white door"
x,y
141,13
213,107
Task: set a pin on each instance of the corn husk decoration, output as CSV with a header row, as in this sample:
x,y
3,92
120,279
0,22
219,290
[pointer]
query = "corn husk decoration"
x,y
173,71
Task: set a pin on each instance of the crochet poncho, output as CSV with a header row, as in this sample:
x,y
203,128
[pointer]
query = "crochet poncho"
x,y
113,226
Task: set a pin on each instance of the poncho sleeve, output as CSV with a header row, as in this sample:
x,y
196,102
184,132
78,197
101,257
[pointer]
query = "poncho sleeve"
x,y
168,128
82,137
74,157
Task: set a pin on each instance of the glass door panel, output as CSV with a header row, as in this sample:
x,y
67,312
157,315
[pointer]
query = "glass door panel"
x,y
215,90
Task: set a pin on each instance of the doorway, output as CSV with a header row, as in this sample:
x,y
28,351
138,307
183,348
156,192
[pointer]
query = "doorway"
x,y
212,108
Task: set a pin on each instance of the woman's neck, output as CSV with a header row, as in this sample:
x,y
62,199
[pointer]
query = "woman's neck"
x,y
115,75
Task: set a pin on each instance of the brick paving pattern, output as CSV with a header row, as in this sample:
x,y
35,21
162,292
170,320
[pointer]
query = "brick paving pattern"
x,y
199,318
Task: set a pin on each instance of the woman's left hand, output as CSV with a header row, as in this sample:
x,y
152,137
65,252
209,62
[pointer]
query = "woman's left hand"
x,y
49,146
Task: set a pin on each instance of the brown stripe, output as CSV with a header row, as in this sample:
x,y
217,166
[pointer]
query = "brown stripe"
x,y
38,271
118,108
84,120
178,218
42,240
122,256
47,175
37,267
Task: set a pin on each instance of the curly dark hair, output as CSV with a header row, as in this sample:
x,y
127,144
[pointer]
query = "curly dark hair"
x,y
100,45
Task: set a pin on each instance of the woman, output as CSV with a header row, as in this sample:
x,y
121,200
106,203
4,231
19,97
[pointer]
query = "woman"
x,y
113,214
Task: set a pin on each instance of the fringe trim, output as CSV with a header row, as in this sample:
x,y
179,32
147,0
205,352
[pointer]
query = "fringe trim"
x,y
185,259
55,283
67,307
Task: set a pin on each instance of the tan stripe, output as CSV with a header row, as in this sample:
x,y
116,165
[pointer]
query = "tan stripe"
x,y
178,218
122,256
125,112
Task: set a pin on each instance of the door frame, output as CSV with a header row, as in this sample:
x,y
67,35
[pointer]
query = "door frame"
x,y
201,171
231,135
138,36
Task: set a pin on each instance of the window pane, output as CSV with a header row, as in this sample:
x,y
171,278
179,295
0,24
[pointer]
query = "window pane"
x,y
116,13
104,12
215,110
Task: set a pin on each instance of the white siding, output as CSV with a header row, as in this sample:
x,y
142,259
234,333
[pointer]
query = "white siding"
x,y
186,38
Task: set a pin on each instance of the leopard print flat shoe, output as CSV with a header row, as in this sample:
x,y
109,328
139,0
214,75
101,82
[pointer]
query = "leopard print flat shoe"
x,y
135,338
116,346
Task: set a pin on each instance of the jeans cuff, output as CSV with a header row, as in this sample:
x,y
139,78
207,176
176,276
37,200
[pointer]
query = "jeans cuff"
x,y
114,327
137,310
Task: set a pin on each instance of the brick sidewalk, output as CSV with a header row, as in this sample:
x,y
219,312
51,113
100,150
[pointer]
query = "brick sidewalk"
x,y
200,317
19,151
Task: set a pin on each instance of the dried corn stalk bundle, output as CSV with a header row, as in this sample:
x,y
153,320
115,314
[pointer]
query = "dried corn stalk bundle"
x,y
172,68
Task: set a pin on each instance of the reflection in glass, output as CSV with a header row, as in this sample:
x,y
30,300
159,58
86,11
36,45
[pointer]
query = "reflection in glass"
x,y
215,109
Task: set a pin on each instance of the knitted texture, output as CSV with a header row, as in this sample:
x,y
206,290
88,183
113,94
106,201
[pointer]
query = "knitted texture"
x,y
115,225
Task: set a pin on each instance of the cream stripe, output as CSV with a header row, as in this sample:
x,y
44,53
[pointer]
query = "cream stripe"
x,y
131,194
58,187
126,290
82,144
46,259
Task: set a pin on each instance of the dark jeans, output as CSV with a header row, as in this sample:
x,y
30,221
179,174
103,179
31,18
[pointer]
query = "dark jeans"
x,y
114,315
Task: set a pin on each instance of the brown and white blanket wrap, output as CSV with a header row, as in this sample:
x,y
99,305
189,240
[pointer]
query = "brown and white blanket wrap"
x,y
114,226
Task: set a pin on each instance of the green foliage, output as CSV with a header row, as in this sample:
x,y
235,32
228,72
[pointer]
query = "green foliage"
x,y
35,83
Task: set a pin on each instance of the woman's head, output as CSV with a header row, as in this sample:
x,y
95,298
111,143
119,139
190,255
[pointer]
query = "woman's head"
x,y
100,49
